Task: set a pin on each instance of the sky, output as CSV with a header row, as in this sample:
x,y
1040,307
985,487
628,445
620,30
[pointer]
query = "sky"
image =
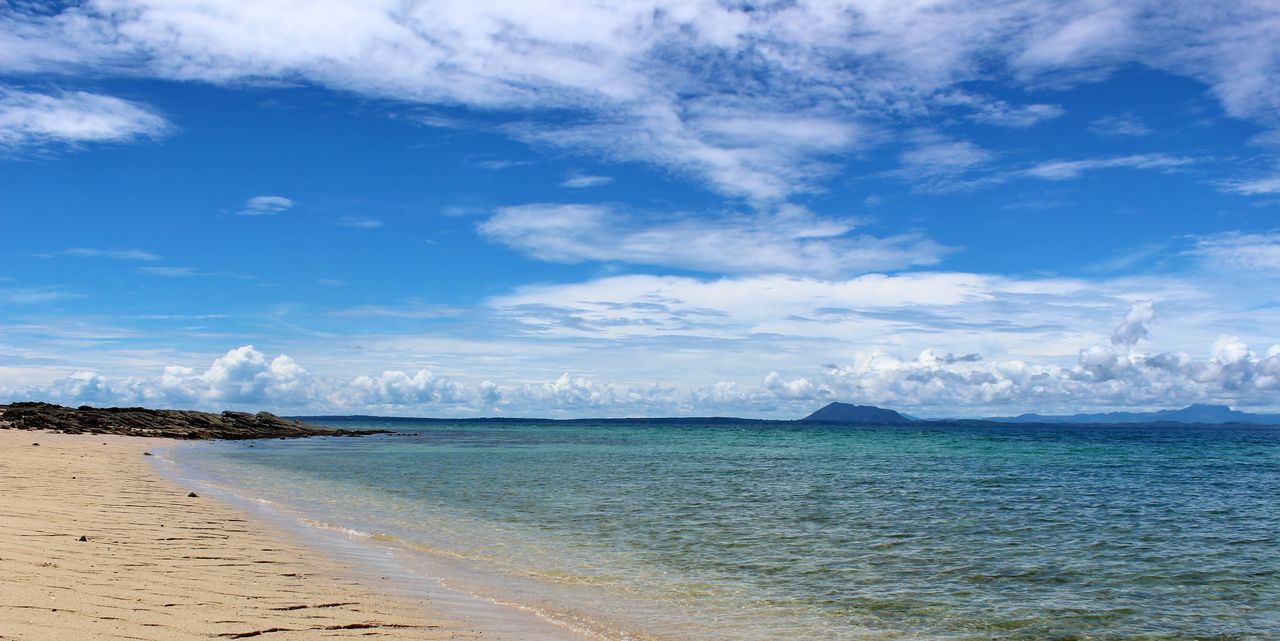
x,y
573,208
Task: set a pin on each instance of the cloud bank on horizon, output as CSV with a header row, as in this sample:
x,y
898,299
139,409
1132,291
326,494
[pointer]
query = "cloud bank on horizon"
x,y
442,207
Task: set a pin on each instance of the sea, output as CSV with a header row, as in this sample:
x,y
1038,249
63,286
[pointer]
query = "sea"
x,y
742,531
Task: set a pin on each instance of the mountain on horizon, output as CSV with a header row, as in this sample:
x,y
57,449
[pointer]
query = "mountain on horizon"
x,y
1197,413
847,413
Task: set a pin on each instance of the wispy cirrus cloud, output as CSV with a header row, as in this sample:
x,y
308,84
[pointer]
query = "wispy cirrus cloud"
x,y
991,111
190,272
32,119
791,240
94,252
34,295
582,181
1253,252
114,254
1261,186
1072,169
937,164
1121,125
757,103
359,222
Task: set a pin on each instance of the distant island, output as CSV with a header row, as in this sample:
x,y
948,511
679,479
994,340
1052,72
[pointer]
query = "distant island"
x,y
838,413
1199,413
847,413
186,424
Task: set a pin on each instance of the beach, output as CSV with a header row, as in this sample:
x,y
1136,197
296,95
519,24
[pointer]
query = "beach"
x,y
554,531
94,544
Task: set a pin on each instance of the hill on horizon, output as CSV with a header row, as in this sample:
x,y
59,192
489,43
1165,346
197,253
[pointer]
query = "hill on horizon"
x,y
849,413
1196,413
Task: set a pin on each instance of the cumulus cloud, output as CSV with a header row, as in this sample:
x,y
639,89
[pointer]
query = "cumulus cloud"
x,y
265,206
792,240
242,377
1232,374
30,119
932,382
754,101
399,389
1134,327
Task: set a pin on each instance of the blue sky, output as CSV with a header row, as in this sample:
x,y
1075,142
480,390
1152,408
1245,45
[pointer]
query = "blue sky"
x,y
588,209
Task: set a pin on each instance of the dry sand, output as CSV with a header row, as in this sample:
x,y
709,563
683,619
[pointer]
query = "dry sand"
x,y
158,564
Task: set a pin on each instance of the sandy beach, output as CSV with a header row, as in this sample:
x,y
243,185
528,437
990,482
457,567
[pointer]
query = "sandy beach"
x,y
94,544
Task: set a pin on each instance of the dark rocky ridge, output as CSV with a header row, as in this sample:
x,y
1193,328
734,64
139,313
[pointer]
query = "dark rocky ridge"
x,y
179,424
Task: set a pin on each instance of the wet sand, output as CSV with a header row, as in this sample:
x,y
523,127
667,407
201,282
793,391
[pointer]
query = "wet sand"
x,y
155,563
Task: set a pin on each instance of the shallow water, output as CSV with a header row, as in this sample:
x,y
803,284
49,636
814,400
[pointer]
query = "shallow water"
x,y
776,531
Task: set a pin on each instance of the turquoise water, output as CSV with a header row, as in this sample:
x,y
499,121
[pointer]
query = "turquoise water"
x,y
784,532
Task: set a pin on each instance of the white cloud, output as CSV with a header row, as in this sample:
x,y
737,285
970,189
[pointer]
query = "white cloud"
x,y
241,378
496,165
564,392
398,389
756,103
931,382
1256,186
32,295
1120,125
1258,253
579,181
792,240
759,155
1032,317
943,164
189,272
114,254
1134,327
244,375
29,119
358,222
171,272
1071,169
1000,113
265,206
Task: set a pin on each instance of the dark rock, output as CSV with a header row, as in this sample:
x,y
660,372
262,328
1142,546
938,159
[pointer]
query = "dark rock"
x,y
193,495
177,424
147,454
84,539
35,445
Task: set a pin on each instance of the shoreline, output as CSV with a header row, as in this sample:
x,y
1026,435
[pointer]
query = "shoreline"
x,y
156,563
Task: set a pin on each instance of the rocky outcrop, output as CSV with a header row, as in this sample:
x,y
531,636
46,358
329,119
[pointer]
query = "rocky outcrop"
x,y
179,424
